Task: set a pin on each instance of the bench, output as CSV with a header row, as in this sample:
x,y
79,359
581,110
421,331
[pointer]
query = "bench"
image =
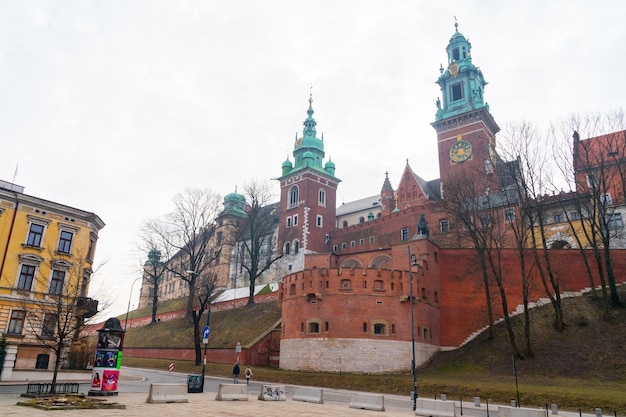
x,y
520,412
435,408
167,393
309,395
373,402
272,393
232,392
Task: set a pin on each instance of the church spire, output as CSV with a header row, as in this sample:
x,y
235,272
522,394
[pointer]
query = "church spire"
x,y
309,123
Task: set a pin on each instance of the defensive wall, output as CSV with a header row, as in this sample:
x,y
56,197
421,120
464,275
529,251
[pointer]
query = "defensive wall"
x,y
355,318
463,295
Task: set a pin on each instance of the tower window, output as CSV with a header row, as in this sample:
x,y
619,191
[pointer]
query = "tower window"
x,y
322,197
293,196
296,246
456,92
288,221
319,221
295,219
404,233
455,54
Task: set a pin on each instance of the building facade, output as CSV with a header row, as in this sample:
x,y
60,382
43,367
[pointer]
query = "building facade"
x,y
47,251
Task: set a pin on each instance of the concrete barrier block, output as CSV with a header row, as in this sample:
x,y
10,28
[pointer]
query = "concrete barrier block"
x,y
272,393
520,412
232,392
167,393
373,402
434,408
309,395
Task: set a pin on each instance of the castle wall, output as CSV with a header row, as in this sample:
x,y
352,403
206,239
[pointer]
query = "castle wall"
x,y
463,306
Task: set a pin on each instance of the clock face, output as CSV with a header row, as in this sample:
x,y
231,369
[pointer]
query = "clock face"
x,y
461,151
454,69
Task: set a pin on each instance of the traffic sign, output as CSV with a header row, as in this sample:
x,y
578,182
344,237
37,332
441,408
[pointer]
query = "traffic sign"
x,y
205,332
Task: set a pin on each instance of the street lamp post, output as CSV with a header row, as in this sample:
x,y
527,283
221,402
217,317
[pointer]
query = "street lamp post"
x,y
129,298
413,368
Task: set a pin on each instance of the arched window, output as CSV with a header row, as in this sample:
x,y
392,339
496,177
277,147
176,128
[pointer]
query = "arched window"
x,y
322,197
293,196
287,250
345,223
361,219
296,246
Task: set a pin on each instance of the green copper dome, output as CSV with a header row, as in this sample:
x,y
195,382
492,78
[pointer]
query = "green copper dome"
x,y
308,150
234,204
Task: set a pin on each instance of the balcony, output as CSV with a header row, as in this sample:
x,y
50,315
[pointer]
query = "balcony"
x,y
87,307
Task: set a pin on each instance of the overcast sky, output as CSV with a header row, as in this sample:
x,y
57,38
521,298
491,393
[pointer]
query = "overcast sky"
x,y
115,106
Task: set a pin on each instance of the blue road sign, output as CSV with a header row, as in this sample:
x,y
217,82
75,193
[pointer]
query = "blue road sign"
x,y
205,332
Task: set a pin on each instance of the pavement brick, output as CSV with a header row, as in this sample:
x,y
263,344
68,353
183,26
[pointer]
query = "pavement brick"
x,y
199,405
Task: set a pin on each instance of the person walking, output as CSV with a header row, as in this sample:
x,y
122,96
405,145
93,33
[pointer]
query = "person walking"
x,y
248,374
236,372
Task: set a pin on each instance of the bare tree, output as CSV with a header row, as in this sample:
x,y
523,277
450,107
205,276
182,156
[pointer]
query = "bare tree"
x,y
256,235
187,236
599,177
56,317
531,175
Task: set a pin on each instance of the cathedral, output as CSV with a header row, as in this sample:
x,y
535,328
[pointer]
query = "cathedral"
x,y
374,279
364,285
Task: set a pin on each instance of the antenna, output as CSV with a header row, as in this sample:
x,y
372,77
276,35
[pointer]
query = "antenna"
x,y
15,173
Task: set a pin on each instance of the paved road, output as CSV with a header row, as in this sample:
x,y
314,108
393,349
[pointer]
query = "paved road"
x,y
135,383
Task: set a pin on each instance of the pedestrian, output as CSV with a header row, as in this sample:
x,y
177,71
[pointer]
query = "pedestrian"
x,y
236,372
248,374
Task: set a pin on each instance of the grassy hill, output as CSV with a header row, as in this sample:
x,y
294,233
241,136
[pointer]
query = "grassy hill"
x,y
582,367
243,324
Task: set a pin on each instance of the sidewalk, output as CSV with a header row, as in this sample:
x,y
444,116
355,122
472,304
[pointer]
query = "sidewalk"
x,y
199,405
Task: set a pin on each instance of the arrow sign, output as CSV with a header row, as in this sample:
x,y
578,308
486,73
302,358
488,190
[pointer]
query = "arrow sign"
x,y
205,332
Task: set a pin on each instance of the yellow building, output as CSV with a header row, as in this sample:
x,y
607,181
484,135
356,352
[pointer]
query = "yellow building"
x,y
46,255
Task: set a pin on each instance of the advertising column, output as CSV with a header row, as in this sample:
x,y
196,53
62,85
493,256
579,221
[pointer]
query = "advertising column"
x,y
108,358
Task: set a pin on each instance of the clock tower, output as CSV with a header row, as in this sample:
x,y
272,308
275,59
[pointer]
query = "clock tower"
x,y
466,131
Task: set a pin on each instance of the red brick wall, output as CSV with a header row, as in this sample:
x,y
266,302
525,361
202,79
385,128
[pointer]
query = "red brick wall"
x,y
463,306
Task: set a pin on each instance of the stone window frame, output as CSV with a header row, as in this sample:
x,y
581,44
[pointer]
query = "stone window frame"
x,y
377,325
313,326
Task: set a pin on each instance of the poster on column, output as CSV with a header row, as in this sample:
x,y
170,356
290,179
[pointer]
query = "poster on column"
x,y
109,379
96,379
106,359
